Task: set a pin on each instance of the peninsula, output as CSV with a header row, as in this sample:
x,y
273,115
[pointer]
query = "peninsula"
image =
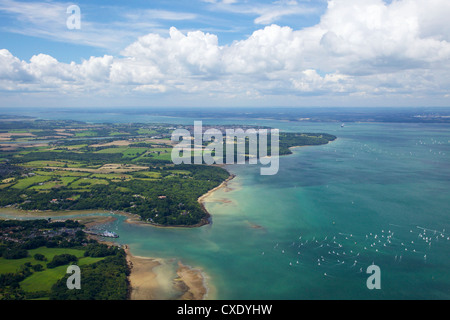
x,y
70,165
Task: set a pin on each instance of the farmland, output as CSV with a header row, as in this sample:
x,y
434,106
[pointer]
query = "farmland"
x,y
71,165
106,166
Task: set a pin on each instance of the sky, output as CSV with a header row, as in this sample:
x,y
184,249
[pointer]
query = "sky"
x,y
227,53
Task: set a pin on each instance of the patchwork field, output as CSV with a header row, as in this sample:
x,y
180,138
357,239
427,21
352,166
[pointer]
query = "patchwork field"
x,y
29,181
123,167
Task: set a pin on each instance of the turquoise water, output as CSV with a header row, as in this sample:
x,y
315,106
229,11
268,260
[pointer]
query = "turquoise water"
x,y
379,194
311,231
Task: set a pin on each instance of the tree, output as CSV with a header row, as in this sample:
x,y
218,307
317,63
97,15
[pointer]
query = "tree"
x,y
39,257
62,259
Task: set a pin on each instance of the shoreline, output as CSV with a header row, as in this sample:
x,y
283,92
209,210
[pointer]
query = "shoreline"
x,y
188,283
202,198
131,218
150,278
206,221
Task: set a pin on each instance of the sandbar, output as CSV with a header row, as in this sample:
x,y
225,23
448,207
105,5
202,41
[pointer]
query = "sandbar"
x,y
151,279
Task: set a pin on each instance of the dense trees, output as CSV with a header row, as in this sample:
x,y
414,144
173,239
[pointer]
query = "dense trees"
x,y
177,206
19,236
62,259
104,280
100,250
14,253
39,257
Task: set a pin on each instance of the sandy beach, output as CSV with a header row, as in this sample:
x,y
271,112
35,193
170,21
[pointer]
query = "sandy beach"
x,y
224,184
142,277
149,278
152,279
194,280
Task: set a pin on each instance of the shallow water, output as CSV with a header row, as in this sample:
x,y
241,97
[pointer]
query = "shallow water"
x,y
378,194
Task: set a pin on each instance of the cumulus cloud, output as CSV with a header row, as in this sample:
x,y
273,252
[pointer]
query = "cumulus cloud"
x,y
359,47
12,68
179,54
376,35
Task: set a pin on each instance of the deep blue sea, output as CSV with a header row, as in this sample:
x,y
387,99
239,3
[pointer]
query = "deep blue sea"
x,y
379,195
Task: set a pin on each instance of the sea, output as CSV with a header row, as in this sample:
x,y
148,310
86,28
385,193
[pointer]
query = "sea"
x,y
378,195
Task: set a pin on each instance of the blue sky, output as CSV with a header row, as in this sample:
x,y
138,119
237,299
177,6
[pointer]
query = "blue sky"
x,y
26,30
225,53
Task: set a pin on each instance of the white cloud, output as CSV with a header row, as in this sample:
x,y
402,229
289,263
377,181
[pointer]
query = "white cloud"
x,y
12,68
196,53
267,13
376,35
365,48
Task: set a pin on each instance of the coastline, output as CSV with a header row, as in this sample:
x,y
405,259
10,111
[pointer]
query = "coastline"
x,y
224,184
134,219
191,283
145,282
146,272
95,220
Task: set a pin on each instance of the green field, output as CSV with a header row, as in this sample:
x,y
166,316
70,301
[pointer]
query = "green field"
x,y
111,176
43,164
118,133
163,156
60,182
147,174
113,150
87,133
181,172
43,280
62,173
46,163
12,265
134,152
147,131
27,182
75,147
86,182
127,152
